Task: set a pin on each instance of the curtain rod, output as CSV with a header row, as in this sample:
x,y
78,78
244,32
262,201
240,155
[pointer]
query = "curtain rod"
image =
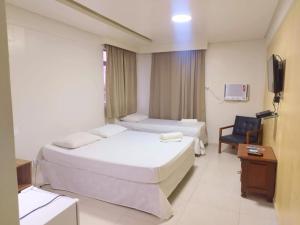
x,y
82,8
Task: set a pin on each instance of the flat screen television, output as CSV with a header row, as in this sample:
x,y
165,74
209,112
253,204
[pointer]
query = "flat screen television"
x,y
275,74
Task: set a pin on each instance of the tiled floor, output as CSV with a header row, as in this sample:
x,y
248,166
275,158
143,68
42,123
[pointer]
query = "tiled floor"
x,y
209,195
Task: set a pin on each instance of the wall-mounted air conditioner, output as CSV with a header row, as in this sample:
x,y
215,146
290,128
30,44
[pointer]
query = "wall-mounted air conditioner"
x,y
236,92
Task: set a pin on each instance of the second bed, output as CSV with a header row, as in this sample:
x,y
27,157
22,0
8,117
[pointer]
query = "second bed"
x,y
197,130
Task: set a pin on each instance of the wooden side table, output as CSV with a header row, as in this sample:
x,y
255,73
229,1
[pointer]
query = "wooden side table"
x,y
258,173
23,174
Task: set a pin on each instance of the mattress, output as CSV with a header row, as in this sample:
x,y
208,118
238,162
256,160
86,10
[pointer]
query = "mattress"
x,y
131,155
159,125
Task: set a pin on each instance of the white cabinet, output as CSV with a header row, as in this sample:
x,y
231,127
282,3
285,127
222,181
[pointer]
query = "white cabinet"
x,y
39,207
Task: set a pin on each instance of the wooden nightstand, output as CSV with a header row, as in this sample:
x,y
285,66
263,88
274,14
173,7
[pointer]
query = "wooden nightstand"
x,y
23,174
258,173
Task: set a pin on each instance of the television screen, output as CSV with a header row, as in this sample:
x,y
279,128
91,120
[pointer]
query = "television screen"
x,y
275,74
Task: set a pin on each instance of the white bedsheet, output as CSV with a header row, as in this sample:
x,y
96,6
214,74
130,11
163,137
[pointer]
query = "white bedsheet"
x,y
130,155
195,130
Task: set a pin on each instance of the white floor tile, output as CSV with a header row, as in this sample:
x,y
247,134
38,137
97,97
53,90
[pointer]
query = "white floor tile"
x,y
214,196
257,207
203,214
247,219
98,212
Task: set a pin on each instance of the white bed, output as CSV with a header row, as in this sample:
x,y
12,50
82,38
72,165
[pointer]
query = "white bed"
x,y
132,169
196,130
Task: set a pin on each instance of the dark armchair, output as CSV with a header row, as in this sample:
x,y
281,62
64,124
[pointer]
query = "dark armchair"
x,y
246,130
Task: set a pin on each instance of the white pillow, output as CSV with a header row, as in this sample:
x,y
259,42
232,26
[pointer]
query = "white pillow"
x,y
108,130
77,140
136,117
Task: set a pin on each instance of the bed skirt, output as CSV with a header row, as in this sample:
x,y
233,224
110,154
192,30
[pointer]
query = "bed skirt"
x,y
147,197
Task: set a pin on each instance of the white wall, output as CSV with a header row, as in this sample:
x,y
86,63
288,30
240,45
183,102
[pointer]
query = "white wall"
x,y
143,82
56,76
8,193
241,62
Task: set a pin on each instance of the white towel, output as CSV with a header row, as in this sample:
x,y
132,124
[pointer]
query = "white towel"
x,y
173,136
171,140
189,120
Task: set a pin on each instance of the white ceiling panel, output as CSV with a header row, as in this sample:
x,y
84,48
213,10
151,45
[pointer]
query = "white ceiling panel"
x,y
212,20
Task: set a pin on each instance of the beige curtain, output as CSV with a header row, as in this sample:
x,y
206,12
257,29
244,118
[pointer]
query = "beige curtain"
x,y
178,85
121,82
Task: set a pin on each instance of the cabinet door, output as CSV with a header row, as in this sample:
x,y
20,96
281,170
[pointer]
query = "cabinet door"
x,y
257,175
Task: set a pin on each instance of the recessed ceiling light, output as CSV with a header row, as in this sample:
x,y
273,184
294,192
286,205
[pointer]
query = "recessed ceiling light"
x,y
183,18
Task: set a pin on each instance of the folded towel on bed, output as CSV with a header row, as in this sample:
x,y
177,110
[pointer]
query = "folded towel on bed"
x,y
172,136
189,120
171,140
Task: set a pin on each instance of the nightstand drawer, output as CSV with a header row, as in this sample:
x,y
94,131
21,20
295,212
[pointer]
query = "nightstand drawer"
x,y
256,175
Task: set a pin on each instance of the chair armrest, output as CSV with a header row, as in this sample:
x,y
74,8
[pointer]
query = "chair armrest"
x,y
252,133
223,128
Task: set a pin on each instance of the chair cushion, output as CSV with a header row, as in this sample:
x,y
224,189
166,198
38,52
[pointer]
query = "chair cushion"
x,y
237,139
233,139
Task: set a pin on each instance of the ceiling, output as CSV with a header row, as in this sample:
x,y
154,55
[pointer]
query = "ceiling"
x,y
212,20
